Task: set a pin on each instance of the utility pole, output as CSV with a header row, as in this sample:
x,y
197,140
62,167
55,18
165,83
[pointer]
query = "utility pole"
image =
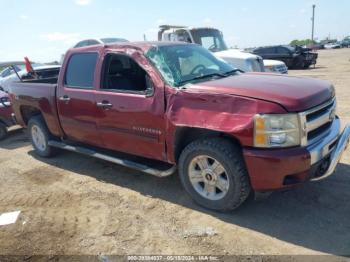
x,y
313,22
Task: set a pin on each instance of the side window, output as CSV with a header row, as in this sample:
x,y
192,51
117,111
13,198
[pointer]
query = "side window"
x,y
80,44
93,42
80,70
270,50
183,36
122,74
282,51
263,51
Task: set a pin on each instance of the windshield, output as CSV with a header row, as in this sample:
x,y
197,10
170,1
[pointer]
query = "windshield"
x,y
181,64
210,39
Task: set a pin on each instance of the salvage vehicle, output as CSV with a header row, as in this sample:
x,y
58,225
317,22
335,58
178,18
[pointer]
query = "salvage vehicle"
x,y
293,56
333,46
213,40
6,117
175,106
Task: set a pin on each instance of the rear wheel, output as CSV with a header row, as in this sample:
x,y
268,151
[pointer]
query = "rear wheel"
x,y
3,131
213,173
40,135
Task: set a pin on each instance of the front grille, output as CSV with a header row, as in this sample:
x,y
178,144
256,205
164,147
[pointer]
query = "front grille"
x,y
320,130
316,122
315,115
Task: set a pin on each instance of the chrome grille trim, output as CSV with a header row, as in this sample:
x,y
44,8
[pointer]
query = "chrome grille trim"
x,y
308,126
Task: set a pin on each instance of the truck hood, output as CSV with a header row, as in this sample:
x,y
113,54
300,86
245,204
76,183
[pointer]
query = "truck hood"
x,y
269,62
295,94
234,53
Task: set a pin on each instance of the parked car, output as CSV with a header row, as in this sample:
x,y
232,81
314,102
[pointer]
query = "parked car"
x,y
332,46
6,118
97,41
41,71
177,105
213,40
292,56
9,71
345,42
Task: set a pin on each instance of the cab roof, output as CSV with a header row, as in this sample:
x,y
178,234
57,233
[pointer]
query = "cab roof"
x,y
142,46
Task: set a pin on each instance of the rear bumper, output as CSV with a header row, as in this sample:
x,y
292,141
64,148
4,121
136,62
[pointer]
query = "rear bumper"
x,y
273,169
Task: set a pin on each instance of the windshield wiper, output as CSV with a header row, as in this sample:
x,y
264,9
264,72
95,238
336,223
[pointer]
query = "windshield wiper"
x,y
202,77
226,74
233,71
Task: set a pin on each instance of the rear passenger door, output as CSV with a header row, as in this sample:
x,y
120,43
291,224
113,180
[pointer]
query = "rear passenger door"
x,y
76,99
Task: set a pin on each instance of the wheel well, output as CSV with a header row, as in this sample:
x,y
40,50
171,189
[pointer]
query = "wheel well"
x,y
186,135
28,112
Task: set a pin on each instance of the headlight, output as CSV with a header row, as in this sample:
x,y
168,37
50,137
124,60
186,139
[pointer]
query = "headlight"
x,y
276,130
270,69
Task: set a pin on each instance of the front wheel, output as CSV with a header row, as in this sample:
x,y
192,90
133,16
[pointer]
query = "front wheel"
x,y
213,172
39,135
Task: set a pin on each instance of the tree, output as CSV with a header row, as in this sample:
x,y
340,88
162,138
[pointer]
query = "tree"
x,y
302,42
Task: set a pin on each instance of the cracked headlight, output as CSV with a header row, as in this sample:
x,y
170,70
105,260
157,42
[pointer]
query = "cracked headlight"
x,y
280,130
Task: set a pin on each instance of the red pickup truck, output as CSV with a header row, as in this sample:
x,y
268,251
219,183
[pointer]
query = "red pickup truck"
x,y
227,133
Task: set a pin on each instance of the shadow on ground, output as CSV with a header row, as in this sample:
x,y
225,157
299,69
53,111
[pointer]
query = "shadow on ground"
x,y
314,215
16,138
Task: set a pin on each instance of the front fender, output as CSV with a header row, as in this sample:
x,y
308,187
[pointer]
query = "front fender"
x,y
229,114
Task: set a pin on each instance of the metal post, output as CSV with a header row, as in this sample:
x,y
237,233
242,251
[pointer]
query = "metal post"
x,y
313,22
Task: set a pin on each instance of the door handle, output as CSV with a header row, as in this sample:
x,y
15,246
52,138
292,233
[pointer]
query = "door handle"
x,y
64,98
104,104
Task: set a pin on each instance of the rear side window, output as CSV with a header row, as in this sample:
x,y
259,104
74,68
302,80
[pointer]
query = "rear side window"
x,y
80,70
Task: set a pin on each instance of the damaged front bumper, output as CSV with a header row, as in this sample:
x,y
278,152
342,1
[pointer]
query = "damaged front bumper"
x,y
336,152
282,168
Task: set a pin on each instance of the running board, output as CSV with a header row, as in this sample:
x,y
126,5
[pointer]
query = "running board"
x,y
119,161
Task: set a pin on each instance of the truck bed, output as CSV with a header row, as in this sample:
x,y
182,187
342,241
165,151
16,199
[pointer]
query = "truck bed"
x,y
32,96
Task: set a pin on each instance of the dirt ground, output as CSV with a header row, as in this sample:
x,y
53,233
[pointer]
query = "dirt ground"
x,y
72,204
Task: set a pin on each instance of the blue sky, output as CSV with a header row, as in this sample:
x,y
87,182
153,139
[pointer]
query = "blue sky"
x,y
43,29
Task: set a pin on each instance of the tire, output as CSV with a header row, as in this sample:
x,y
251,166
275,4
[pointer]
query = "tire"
x,y
306,66
3,131
235,177
299,63
40,136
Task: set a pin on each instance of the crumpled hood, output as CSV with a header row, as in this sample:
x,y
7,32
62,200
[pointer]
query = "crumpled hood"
x,y
295,94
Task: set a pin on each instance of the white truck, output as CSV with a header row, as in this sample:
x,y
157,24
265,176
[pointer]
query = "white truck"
x,y
213,40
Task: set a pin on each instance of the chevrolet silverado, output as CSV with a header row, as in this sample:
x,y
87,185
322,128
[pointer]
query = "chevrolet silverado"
x,y
159,107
